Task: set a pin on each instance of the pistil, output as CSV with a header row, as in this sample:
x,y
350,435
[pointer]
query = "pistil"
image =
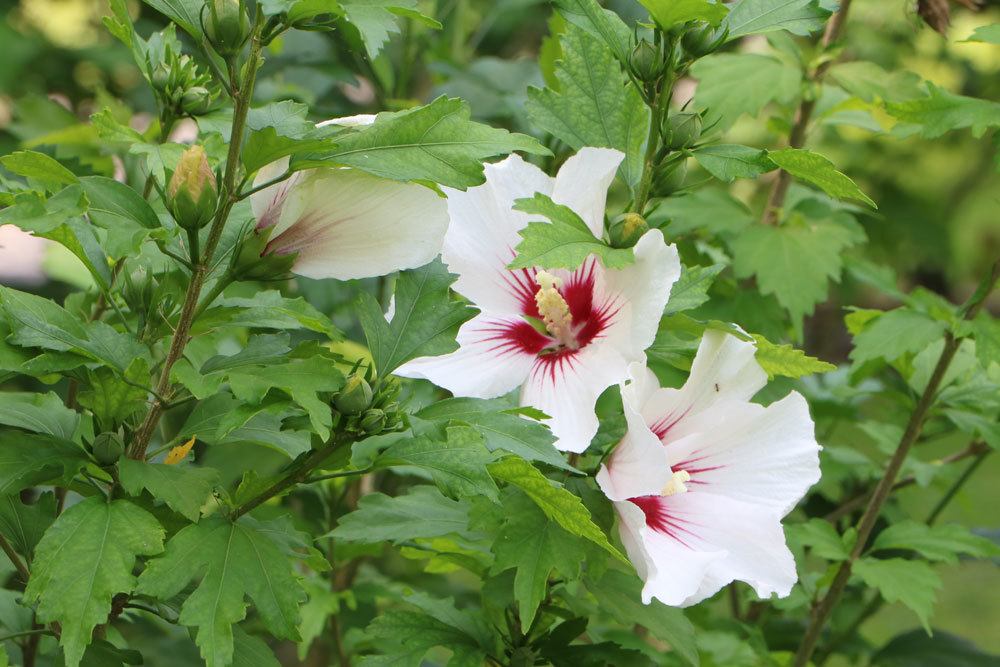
x,y
554,310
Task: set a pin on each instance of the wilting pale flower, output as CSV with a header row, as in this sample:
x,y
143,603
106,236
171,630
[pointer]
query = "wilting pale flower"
x,y
585,326
345,223
703,477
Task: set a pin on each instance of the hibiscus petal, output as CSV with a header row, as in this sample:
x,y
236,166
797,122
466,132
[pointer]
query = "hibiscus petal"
x,y
744,451
483,234
638,466
582,184
350,121
267,204
566,386
347,224
638,294
495,355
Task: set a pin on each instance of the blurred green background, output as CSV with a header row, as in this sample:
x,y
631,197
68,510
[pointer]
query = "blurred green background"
x,y
938,223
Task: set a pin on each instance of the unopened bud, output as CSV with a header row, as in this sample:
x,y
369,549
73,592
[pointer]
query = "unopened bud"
x,y
680,130
196,100
108,448
646,61
628,230
355,397
704,39
373,421
668,178
160,78
192,193
226,26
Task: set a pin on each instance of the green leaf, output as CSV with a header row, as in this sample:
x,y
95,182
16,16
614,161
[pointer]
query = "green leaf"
x,y
233,561
618,595
286,118
24,524
39,413
941,112
85,558
404,637
793,262
869,82
918,649
599,22
425,321
26,459
422,513
375,19
938,543
457,461
556,502
595,104
185,13
799,17
39,168
503,430
271,310
709,210
911,582
563,243
668,13
266,145
786,361
986,331
436,143
112,397
731,85
895,333
120,210
535,545
691,290
301,379
821,537
819,171
184,488
989,34
731,161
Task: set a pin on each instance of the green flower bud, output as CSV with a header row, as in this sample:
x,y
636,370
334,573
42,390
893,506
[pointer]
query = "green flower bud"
x,y
160,78
226,25
646,61
192,193
680,130
628,230
196,100
108,448
668,178
373,421
355,397
703,39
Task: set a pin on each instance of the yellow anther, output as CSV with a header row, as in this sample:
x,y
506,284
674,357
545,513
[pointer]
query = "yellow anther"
x,y
676,483
554,309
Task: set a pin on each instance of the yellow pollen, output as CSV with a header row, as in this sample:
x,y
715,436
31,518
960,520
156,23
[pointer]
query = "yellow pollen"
x,y
676,483
554,309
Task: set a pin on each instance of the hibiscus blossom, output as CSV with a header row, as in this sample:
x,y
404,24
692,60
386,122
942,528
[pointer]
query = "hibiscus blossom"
x,y
703,477
345,223
562,337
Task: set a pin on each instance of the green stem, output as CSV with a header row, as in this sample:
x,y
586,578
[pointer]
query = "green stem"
x,y
338,475
25,633
297,475
661,101
15,559
263,186
821,611
220,286
956,486
242,97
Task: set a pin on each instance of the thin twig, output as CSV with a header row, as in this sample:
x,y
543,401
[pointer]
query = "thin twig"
x,y
15,559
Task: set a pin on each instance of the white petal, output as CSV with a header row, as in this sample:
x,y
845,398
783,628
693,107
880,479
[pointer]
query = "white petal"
x,y
566,388
349,121
640,292
582,184
267,203
347,224
486,365
750,536
638,465
765,456
483,233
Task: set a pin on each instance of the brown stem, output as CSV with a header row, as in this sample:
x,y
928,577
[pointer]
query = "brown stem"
x,y
800,126
299,473
857,501
241,107
821,611
15,559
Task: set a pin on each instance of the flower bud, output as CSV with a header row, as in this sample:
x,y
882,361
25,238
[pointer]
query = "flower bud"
x,y
680,130
160,78
373,421
196,100
668,178
646,62
108,448
704,39
355,397
226,26
628,230
192,193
